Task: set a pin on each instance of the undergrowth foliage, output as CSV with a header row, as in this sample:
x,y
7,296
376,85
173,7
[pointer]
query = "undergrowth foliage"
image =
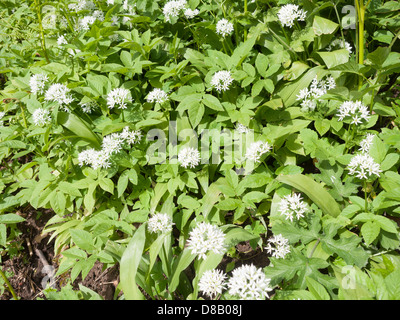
x,y
164,133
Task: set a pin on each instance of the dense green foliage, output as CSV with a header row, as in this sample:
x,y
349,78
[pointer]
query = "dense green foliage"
x,y
344,246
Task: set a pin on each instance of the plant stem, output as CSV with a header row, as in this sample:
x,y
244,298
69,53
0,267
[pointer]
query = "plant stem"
x,y
39,14
313,249
365,196
10,288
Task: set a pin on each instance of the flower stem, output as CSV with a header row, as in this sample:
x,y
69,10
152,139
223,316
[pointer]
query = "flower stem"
x,y
39,14
10,288
365,196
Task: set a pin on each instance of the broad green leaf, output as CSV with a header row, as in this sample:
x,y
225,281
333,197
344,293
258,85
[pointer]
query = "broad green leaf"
x,y
370,231
181,263
130,262
9,218
334,58
78,127
324,26
317,289
82,239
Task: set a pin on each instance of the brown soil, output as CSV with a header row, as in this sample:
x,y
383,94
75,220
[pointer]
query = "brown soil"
x,y
27,268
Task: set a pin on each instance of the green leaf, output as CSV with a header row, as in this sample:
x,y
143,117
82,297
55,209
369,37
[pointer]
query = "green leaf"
x,y
107,185
324,26
370,231
82,239
314,191
181,263
212,102
130,262
10,218
318,290
78,127
334,58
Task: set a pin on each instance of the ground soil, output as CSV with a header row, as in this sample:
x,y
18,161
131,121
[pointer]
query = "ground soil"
x,y
27,267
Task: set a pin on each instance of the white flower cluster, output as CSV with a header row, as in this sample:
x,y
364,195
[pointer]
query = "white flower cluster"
x,y
173,9
157,95
341,44
255,151
354,109
85,22
310,96
41,117
366,143
292,205
190,14
2,114
61,40
221,80
82,5
59,93
290,13
119,97
249,283
212,282
160,222
246,283
278,246
240,128
112,144
363,166
206,237
189,157
224,27
37,83
88,106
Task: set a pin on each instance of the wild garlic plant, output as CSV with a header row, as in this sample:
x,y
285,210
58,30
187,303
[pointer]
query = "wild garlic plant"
x,y
218,150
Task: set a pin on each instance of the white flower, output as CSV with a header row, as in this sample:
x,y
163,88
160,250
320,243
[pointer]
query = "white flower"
x,y
98,15
160,222
112,143
119,97
157,95
212,282
316,90
190,14
95,158
2,114
88,107
240,128
224,27
173,9
256,150
59,93
289,13
356,110
61,40
366,143
82,5
249,283
278,246
221,80
291,205
131,137
189,157
86,22
363,166
37,83
341,44
110,2
41,117
114,20
206,237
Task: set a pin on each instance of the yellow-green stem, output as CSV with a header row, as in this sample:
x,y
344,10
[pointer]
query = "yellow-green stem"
x,y
8,285
38,9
